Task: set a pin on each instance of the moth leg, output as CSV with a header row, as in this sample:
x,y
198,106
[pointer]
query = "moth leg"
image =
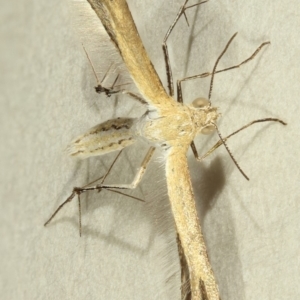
x,y
219,143
111,90
181,12
206,74
108,91
130,186
79,191
70,198
134,96
111,187
100,88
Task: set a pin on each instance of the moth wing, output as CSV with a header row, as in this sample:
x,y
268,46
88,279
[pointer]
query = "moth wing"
x,y
119,24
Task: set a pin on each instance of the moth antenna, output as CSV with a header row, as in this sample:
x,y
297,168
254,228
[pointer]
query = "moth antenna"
x,y
229,152
216,64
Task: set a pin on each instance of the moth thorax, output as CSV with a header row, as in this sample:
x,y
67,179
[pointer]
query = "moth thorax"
x,y
211,114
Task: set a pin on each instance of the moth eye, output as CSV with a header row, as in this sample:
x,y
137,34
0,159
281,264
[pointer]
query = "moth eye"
x,y
208,129
200,102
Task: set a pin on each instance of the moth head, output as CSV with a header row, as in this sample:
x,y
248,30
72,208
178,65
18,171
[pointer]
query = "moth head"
x,y
211,115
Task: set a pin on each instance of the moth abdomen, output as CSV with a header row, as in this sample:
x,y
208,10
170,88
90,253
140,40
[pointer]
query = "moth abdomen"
x,y
111,135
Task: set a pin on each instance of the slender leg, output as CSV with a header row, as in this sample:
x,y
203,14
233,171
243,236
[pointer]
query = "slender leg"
x,y
134,96
100,88
180,98
165,47
74,193
79,214
78,191
129,186
113,85
219,143
111,90
230,154
206,74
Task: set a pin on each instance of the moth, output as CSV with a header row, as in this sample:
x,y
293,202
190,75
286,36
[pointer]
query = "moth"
x,y
169,124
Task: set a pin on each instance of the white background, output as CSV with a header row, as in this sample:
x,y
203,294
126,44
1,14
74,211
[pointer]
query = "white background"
x,y
127,250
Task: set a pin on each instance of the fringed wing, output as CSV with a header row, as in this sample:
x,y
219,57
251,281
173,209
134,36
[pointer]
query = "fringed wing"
x,y
202,281
119,24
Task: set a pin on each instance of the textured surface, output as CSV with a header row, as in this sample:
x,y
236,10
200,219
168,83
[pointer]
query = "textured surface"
x,y
251,228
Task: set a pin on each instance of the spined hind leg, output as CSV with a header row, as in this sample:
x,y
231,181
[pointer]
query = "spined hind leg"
x,y
77,191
